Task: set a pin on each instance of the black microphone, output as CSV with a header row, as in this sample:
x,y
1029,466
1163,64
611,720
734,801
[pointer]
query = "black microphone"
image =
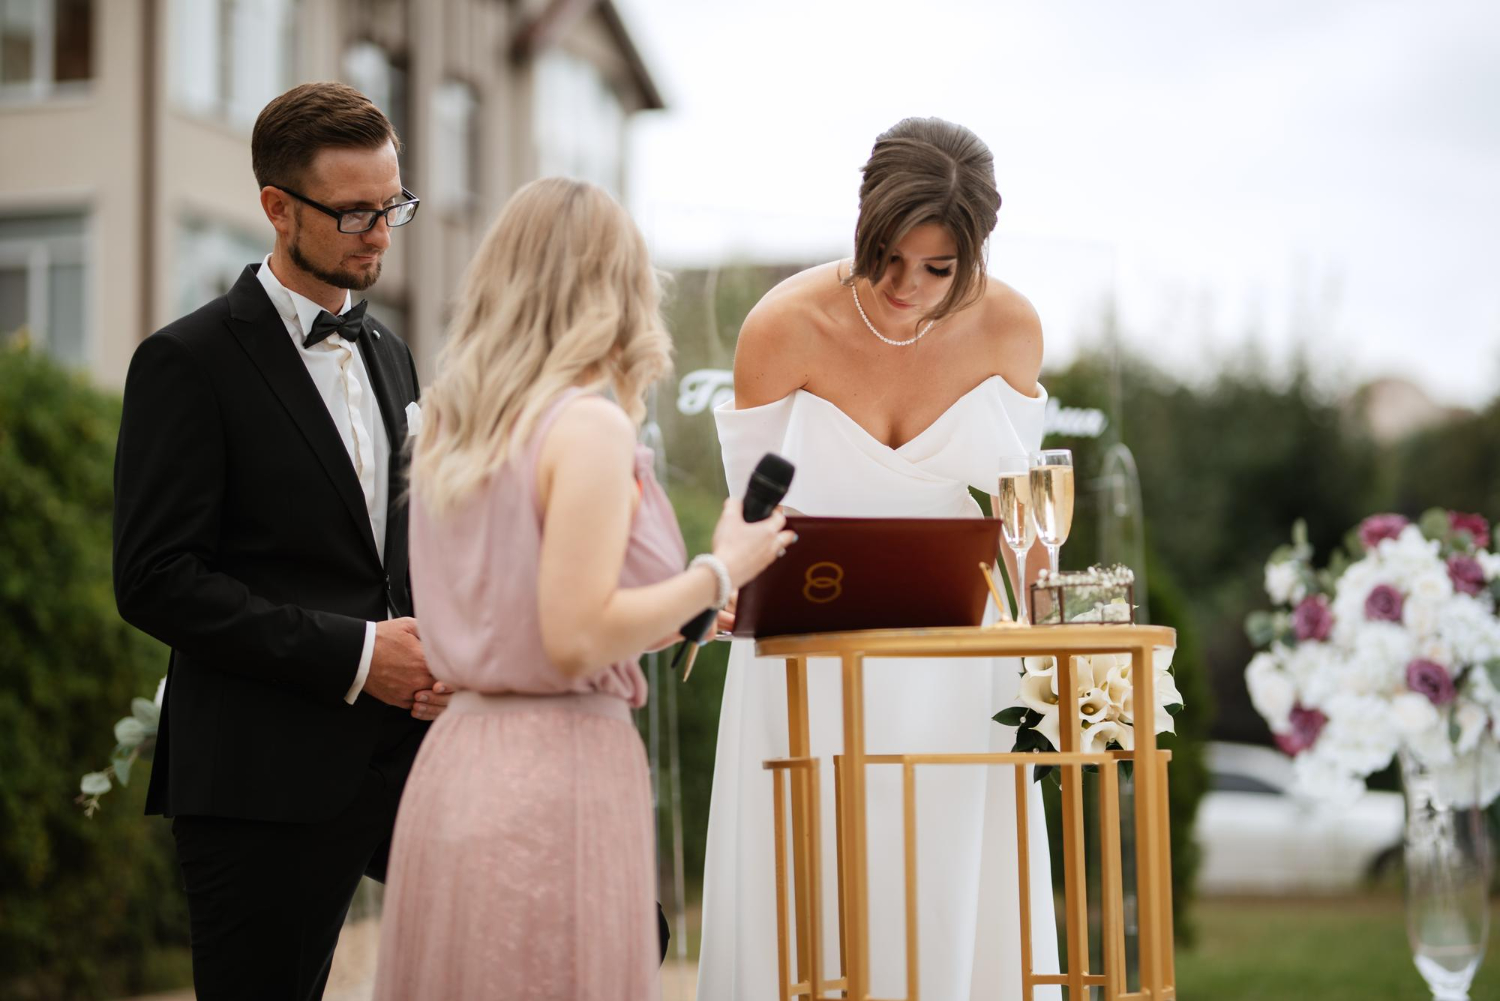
x,y
768,485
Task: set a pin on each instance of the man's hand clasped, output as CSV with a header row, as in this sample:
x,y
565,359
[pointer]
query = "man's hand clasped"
x,y
398,671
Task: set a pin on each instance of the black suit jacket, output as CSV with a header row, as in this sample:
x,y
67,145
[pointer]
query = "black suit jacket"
x,y
242,542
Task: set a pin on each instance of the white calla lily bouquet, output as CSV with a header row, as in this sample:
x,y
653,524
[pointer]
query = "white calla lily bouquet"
x,y
1104,700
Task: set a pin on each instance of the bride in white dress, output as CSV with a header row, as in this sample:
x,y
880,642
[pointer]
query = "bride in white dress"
x,y
892,391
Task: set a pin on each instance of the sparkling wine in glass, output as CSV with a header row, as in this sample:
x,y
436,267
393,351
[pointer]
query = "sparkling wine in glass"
x,y
1017,525
1052,498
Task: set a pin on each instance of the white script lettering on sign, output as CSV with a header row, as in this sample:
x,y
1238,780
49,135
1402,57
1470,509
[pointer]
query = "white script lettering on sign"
x,y
704,389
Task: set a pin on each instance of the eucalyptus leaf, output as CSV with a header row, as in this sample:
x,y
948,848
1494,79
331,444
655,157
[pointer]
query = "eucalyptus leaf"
x,y
122,765
1492,668
1260,627
130,732
1299,538
95,784
1012,716
1434,524
147,712
1353,545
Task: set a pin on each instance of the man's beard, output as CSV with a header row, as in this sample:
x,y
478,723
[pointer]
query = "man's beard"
x,y
356,281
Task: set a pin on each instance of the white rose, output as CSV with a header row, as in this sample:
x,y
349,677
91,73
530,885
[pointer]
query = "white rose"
x,y
1471,721
413,420
1431,585
1322,780
1414,714
1284,583
1489,563
1271,692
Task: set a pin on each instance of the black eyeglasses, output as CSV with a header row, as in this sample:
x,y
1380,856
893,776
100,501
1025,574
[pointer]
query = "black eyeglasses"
x,y
364,220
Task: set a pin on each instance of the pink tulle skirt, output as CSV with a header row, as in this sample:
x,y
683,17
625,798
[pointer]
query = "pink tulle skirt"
x,y
522,864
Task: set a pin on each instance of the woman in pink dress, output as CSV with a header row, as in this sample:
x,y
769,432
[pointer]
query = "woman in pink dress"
x,y
545,558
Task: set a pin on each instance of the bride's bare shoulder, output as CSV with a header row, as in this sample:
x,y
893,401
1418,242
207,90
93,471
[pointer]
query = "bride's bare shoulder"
x,y
778,341
1013,336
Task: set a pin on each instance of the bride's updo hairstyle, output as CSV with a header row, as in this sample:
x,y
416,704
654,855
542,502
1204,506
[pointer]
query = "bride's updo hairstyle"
x,y
927,170
560,292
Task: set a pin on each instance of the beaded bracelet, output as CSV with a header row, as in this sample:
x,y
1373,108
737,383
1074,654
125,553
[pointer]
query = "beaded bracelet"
x,y
721,575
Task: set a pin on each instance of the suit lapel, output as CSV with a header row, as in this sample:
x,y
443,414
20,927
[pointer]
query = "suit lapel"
x,y
384,363
261,332
379,364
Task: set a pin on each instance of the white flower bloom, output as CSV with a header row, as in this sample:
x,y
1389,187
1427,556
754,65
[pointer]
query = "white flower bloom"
x,y
1036,693
1471,721
1093,705
1414,714
1271,692
1096,737
1489,563
1431,585
1324,780
1284,583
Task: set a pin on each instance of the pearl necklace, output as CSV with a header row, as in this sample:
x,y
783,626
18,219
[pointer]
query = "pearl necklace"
x,y
899,344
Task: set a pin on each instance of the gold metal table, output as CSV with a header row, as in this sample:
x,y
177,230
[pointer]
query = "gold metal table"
x,y
1153,850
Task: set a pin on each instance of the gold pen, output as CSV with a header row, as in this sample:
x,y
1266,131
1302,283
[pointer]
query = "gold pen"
x,y
1000,604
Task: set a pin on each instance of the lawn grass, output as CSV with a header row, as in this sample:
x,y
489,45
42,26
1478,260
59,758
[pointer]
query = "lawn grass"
x,y
1319,949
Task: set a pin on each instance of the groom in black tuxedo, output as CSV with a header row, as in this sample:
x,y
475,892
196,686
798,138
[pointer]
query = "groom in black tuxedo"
x,y
260,532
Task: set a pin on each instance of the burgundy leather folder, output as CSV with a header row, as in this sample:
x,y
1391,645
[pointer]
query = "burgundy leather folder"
x,y
872,573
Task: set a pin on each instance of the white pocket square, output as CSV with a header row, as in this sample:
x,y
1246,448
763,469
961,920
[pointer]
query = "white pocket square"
x,y
413,420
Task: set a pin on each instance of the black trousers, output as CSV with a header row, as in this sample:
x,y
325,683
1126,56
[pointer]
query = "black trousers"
x,y
266,901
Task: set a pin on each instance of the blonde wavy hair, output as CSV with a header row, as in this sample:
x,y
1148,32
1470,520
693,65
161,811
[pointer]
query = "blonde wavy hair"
x,y
560,293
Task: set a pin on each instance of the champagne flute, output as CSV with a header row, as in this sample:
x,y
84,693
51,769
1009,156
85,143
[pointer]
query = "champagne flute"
x,y
1017,525
1052,498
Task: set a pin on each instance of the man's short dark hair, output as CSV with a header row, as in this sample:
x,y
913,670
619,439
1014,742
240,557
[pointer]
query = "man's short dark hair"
x,y
293,128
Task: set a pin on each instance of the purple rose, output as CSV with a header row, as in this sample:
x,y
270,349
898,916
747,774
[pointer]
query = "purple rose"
x,y
1379,527
1312,619
1432,680
1384,604
1306,725
1474,524
1466,574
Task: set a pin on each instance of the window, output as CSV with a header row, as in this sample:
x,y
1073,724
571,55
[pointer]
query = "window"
x,y
370,70
230,57
210,258
43,286
580,124
46,46
454,109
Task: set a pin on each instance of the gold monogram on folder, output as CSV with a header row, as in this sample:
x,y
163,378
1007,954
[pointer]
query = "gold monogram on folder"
x,y
872,573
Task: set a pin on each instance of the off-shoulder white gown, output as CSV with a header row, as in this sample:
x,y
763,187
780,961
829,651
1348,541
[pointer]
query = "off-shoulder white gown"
x,y
966,837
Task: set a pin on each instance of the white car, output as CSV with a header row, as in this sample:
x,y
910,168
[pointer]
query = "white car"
x,y
1258,838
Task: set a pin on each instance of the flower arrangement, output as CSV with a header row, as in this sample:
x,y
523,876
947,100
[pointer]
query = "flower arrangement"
x,y
1395,644
1104,699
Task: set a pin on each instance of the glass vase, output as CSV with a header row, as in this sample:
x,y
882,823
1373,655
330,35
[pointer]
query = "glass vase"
x,y
1447,859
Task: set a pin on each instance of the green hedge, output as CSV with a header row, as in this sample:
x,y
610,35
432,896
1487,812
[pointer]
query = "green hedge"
x,y
91,906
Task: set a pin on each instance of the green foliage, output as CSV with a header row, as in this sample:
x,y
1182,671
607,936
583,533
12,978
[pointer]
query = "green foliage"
x,y
89,903
1226,470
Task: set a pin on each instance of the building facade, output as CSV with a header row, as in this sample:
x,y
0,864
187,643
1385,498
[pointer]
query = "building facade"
x,y
126,194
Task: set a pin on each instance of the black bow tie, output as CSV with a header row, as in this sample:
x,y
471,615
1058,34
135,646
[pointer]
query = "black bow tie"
x,y
348,325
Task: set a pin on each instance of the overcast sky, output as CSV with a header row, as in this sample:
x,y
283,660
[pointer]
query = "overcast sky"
x,y
1322,174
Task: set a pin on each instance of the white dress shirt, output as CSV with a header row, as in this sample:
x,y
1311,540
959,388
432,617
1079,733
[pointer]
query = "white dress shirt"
x,y
338,371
